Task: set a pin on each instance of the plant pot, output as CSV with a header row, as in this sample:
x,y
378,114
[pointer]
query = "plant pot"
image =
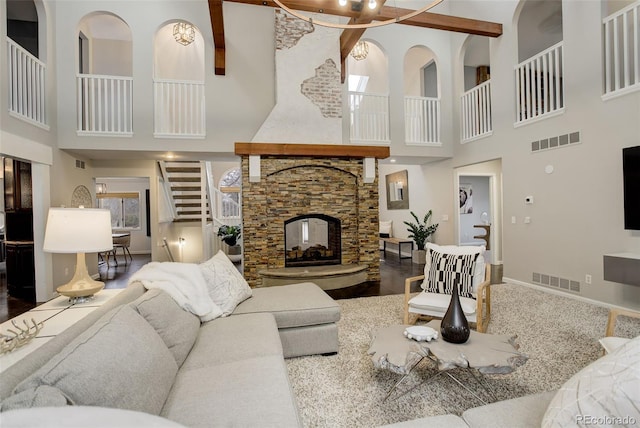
x,y
234,252
419,256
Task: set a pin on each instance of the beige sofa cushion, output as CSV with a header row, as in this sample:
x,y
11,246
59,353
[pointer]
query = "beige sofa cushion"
x,y
177,327
293,305
119,362
253,392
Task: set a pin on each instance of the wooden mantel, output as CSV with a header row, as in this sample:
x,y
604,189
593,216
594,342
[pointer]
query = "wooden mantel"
x,y
311,150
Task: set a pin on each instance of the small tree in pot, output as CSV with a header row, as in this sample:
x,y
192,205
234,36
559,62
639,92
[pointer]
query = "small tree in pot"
x,y
230,236
420,233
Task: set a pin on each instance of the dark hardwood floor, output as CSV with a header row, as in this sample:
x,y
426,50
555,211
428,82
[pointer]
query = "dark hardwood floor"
x,y
392,275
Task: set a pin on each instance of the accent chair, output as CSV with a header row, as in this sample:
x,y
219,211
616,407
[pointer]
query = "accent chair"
x,y
444,264
611,342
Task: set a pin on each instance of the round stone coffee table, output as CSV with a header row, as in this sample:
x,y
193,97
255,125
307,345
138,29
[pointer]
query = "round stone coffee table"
x,y
484,353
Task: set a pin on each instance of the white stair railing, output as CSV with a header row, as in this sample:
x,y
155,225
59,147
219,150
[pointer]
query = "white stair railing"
x,y
369,117
422,120
475,112
539,85
179,108
27,85
622,51
104,104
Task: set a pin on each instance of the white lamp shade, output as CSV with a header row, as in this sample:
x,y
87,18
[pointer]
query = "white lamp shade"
x,y
78,230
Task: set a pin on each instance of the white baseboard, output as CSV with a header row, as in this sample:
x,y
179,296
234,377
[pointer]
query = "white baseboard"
x,y
569,295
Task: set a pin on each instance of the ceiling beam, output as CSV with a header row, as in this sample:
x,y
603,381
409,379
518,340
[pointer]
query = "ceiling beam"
x,y
350,37
426,20
217,27
444,22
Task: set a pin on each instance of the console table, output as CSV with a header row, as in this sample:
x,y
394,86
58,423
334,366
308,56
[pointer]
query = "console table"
x,y
57,314
398,242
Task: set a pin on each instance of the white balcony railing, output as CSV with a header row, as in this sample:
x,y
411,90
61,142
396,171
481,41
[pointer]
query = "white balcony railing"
x,y
179,108
104,105
27,85
422,120
369,118
475,112
539,85
622,51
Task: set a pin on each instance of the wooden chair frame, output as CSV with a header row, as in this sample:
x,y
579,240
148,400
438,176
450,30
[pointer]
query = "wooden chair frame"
x,y
614,313
483,299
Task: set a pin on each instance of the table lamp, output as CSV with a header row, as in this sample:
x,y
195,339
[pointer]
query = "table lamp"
x,y
80,231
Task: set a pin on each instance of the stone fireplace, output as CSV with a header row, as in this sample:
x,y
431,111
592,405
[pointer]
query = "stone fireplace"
x,y
298,182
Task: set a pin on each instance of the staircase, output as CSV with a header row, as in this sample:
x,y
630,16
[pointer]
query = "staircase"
x,y
186,183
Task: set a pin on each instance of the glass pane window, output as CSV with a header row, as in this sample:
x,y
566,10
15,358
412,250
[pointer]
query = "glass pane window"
x,y
125,209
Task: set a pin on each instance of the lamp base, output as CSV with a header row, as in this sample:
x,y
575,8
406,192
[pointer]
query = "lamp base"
x,y
80,289
81,285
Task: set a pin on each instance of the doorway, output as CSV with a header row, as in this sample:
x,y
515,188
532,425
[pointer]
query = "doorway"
x,y
479,219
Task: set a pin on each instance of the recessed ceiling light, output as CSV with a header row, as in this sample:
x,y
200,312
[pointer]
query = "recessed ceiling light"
x,y
392,161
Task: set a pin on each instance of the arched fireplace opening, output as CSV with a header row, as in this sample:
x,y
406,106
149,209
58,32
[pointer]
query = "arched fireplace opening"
x,y
312,240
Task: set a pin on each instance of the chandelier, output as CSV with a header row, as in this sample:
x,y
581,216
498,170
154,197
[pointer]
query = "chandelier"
x,y
184,33
360,50
358,5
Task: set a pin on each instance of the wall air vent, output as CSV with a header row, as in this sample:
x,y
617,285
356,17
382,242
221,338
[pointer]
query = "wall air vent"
x,y
555,282
555,142
79,164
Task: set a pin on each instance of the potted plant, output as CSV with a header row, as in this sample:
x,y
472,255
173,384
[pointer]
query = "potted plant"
x,y
420,233
230,236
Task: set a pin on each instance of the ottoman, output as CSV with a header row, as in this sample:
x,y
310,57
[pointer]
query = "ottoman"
x,y
306,317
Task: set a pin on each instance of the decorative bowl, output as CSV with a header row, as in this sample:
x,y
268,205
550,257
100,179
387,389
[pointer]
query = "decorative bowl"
x,y
420,333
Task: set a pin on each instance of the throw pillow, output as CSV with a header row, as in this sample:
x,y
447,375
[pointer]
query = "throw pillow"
x,y
386,229
119,362
479,269
605,392
177,327
227,287
447,268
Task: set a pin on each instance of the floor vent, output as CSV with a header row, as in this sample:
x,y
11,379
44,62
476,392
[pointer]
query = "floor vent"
x,y
555,282
555,142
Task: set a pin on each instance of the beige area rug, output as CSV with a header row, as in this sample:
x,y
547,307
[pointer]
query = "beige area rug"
x,y
560,336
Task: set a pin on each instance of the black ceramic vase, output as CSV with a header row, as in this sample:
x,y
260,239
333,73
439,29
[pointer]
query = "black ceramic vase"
x,y
454,327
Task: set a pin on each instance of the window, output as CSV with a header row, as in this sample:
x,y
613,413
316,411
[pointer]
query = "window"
x,y
230,186
124,207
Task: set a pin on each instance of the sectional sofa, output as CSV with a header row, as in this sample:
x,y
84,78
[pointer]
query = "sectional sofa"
x,y
141,352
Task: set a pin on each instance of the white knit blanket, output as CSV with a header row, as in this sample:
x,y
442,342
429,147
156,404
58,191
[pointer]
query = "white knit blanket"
x,y
184,283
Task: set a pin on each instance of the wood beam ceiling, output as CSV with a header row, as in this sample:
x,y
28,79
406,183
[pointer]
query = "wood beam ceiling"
x,y
350,37
425,20
217,26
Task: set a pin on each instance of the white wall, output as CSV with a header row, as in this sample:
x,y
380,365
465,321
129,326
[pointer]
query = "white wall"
x,y
236,104
578,211
429,189
175,61
414,62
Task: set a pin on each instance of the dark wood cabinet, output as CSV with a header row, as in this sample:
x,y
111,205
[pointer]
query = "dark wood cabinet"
x,y
21,279
18,201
